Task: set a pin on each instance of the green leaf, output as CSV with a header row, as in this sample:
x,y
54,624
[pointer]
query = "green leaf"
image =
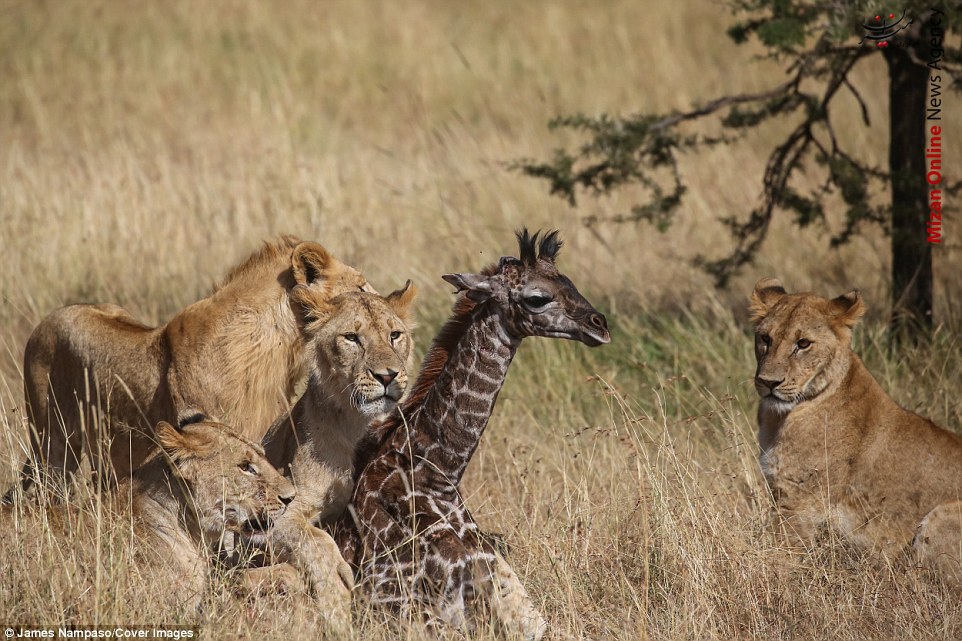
x,y
784,33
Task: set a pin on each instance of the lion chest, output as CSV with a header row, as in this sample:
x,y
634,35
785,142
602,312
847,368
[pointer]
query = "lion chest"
x,y
807,460
323,490
338,496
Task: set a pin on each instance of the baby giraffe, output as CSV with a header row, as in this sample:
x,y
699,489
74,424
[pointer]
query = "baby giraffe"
x,y
409,536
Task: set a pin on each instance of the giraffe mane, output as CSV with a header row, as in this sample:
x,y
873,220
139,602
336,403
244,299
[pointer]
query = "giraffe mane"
x,y
432,366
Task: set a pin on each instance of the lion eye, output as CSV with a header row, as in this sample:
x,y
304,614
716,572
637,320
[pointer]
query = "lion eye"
x,y
395,335
803,343
248,467
352,337
764,340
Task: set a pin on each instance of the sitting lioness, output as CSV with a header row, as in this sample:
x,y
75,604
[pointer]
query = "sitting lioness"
x,y
206,483
96,380
203,488
835,449
360,348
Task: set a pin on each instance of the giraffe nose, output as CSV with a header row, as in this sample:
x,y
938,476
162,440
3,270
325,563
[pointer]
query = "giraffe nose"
x,y
599,321
385,378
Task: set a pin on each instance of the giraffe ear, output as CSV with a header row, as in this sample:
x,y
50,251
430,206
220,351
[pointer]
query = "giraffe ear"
x,y
478,287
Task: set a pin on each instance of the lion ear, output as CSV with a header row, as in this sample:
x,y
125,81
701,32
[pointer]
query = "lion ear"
x,y
848,308
767,292
310,263
189,442
400,301
171,440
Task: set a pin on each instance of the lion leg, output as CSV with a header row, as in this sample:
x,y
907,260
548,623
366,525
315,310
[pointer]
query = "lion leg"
x,y
56,441
55,435
441,620
314,553
119,451
938,540
281,578
798,516
448,614
511,604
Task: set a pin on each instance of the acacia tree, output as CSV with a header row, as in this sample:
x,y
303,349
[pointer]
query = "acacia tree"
x,y
818,41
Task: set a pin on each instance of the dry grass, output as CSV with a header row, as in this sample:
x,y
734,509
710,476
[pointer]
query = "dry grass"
x,y
143,150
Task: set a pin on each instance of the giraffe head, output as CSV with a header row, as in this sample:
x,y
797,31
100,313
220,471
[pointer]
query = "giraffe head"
x,y
533,297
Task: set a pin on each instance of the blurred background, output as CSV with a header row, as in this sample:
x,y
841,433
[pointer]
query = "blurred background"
x,y
145,147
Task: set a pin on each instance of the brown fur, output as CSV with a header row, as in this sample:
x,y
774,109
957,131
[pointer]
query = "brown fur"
x,y
408,533
836,450
316,441
184,504
431,367
206,483
96,380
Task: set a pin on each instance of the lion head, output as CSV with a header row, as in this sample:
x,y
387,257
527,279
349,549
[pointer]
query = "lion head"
x,y
802,342
313,266
360,342
231,485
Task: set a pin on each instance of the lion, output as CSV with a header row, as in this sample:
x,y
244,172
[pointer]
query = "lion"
x,y
359,342
203,487
205,484
836,450
96,380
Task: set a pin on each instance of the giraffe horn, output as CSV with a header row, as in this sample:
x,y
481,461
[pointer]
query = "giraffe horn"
x,y
550,246
527,245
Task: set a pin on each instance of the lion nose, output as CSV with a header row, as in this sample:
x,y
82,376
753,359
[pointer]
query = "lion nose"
x,y
286,499
769,383
384,378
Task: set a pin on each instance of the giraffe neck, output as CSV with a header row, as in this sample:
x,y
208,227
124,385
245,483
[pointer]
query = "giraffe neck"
x,y
447,427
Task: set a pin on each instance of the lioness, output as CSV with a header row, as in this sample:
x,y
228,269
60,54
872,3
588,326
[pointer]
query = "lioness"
x,y
205,483
96,380
202,488
835,449
360,348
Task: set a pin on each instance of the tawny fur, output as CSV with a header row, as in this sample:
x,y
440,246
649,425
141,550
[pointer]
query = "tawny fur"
x,y
206,483
352,338
205,487
96,380
836,450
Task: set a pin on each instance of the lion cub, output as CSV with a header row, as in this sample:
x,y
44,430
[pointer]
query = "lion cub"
x,y
205,483
835,449
201,488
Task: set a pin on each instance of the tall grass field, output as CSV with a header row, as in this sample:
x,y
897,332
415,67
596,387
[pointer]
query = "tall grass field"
x,y
147,147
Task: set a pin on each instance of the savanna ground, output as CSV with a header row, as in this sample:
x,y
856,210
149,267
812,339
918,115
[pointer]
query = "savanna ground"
x,y
144,148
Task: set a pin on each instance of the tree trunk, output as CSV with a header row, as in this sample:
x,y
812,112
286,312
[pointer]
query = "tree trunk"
x,y
911,251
